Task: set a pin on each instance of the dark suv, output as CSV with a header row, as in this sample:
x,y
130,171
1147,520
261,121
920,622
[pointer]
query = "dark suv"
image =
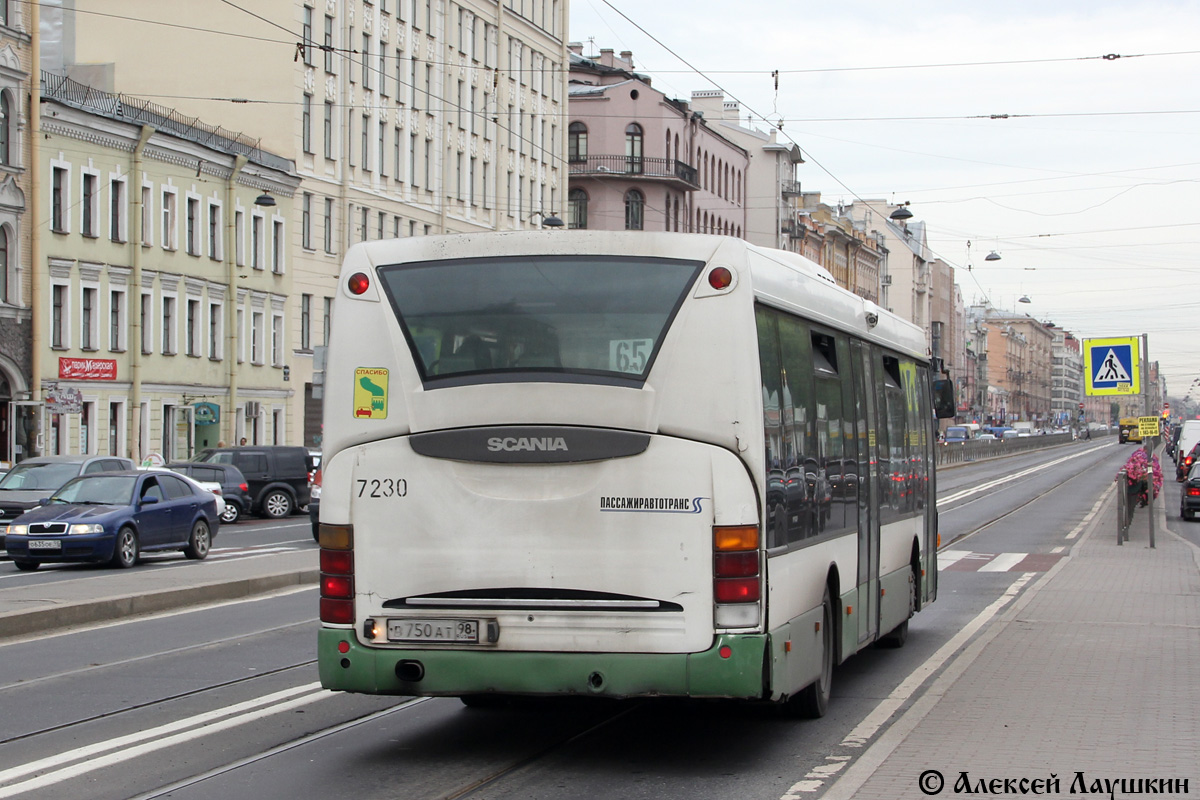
x,y
41,476
234,488
277,475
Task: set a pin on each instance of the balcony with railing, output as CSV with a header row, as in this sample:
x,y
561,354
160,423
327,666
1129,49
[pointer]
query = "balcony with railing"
x,y
789,188
667,170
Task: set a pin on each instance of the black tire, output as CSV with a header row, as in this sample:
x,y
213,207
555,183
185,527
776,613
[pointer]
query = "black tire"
x,y
199,542
126,551
231,514
277,504
27,566
813,700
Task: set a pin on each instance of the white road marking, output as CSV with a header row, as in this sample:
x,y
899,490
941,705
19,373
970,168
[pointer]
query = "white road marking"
x,y
101,754
871,724
942,501
1003,562
1089,516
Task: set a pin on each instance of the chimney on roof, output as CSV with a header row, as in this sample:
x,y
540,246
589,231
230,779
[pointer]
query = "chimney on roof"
x,y
627,57
606,57
576,48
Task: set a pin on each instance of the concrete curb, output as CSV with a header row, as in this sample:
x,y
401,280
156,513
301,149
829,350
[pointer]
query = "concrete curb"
x,y
23,622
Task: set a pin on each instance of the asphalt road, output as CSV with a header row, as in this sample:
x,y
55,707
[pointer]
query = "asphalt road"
x,y
223,701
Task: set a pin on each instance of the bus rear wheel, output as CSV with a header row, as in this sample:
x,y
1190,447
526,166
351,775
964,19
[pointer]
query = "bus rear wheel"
x,y
813,700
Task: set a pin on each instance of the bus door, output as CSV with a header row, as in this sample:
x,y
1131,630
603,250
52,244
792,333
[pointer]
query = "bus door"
x,y
865,428
929,556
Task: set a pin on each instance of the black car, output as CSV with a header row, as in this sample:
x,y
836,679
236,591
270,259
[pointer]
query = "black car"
x,y
277,475
36,478
1189,495
234,488
1185,462
113,517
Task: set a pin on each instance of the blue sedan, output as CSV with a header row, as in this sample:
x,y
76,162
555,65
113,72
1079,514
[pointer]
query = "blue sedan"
x,y
114,517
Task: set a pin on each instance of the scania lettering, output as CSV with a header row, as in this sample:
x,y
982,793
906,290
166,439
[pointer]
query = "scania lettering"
x,y
618,464
513,445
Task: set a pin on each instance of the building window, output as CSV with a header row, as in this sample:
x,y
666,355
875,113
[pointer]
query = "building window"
x,y
276,340
635,210
168,326
169,238
147,220
58,316
366,62
327,313
116,202
277,247
306,123
58,200
146,314
256,242
239,237
192,346
216,316
256,337
577,203
215,245
6,126
87,330
193,226
88,209
329,225
306,222
4,261
307,35
366,143
328,130
306,322
633,149
116,321
329,44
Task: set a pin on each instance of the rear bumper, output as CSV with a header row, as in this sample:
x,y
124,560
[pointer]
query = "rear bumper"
x,y
618,675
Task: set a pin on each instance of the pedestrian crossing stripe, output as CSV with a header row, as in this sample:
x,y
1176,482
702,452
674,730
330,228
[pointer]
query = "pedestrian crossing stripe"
x,y
967,561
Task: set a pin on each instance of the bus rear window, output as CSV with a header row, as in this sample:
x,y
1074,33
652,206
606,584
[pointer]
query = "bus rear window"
x,y
578,317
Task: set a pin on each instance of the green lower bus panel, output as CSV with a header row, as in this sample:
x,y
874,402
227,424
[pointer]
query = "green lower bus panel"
x,y
370,670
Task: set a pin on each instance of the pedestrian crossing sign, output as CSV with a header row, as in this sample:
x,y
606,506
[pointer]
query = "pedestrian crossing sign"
x,y
1111,366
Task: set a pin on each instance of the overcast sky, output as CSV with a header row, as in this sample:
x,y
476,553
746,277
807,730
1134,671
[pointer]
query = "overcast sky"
x,y
1091,201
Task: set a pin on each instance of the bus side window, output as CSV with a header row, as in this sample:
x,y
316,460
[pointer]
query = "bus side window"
x,y
774,514
801,465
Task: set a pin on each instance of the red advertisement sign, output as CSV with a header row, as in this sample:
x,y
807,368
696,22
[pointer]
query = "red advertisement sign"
x,y
87,369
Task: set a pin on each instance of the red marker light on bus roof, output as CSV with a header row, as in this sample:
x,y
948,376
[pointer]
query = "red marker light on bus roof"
x,y
720,278
358,283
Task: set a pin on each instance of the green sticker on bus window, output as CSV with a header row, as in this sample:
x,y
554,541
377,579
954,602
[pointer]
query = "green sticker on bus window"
x,y
370,393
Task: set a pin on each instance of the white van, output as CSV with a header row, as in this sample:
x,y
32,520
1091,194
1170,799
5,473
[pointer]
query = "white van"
x,y
1189,437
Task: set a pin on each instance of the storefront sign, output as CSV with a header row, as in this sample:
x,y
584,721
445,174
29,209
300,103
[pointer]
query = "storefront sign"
x,y
207,413
63,399
87,369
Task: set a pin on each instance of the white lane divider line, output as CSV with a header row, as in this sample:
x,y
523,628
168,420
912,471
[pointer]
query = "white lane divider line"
x,y
817,776
944,501
862,733
101,754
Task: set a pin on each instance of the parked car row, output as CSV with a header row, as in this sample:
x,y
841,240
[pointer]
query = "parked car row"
x,y
66,508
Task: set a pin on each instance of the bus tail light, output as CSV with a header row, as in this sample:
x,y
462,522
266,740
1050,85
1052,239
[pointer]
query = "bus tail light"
x,y
337,574
737,579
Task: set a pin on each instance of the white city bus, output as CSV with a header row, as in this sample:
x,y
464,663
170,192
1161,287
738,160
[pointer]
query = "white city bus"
x,y
620,465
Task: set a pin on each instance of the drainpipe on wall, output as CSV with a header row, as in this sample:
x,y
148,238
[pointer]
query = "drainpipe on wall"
x,y
36,316
135,319
231,331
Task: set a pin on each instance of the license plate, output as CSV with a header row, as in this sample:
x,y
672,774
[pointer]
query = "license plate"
x,y
45,544
444,631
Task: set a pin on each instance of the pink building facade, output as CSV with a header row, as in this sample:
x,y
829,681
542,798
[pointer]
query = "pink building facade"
x,y
639,160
